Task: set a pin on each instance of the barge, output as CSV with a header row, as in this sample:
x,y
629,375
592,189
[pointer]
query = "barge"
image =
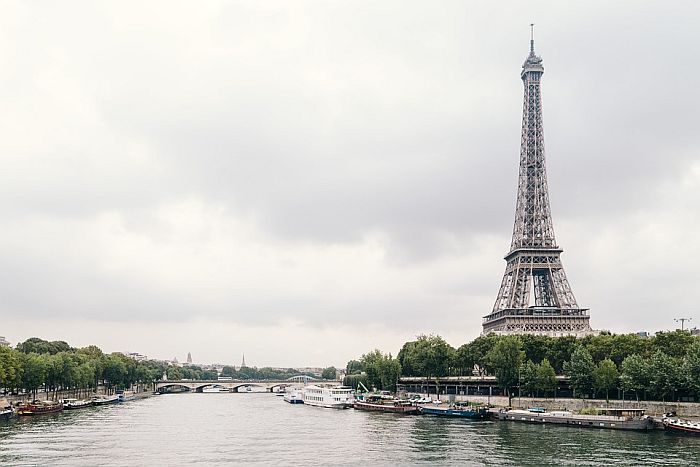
x,y
609,418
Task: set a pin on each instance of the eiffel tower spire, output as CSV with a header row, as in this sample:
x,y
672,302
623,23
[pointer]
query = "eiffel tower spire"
x,y
535,295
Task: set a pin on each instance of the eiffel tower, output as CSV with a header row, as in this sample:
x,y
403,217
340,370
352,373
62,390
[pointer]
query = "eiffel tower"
x,y
535,297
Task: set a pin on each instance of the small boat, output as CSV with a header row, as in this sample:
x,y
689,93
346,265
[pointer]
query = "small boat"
x,y
6,410
337,397
678,425
104,400
383,404
294,396
124,396
39,407
616,419
463,411
72,404
214,390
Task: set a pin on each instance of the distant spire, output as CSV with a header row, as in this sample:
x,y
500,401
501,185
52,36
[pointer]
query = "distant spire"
x,y
243,363
532,38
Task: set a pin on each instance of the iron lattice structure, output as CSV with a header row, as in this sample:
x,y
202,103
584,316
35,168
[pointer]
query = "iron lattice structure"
x,y
535,296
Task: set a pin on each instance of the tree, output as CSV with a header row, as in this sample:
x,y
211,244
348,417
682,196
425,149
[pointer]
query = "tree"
x,y
605,377
580,370
691,366
382,370
560,352
673,343
635,375
528,377
505,359
353,367
465,359
479,348
329,373
430,356
664,377
546,377
35,372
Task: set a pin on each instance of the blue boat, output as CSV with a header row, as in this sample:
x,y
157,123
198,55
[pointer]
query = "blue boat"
x,y
478,413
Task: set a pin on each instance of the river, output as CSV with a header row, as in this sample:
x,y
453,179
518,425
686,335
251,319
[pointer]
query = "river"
x,y
224,429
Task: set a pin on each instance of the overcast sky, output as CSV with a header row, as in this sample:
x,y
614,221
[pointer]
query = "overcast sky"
x,y
305,181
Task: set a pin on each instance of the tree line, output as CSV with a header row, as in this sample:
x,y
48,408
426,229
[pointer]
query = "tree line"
x,y
661,366
56,366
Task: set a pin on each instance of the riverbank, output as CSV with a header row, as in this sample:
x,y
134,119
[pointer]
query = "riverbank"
x,y
140,392
653,408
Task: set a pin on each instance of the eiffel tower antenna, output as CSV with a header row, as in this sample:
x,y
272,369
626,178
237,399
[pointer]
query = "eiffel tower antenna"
x,y
535,296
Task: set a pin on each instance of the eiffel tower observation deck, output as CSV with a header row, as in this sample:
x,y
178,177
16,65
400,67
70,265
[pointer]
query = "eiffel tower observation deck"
x,y
535,296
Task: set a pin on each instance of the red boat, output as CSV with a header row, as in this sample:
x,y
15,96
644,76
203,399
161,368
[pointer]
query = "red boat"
x,y
681,426
380,404
39,407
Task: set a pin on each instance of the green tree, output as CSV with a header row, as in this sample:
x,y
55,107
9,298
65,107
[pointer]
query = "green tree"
x,y
35,372
353,367
673,343
382,370
355,379
691,367
465,359
479,349
546,377
329,373
528,378
664,377
431,356
580,370
605,377
634,375
560,351
505,359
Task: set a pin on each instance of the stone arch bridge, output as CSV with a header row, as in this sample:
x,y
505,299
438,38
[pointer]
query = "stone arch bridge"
x,y
238,385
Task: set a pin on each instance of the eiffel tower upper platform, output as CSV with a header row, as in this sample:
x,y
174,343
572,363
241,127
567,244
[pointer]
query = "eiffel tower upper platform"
x,y
535,296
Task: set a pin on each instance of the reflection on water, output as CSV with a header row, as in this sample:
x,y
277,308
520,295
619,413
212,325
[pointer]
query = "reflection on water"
x,y
222,429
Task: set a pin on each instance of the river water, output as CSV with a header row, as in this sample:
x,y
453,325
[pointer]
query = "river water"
x,y
225,429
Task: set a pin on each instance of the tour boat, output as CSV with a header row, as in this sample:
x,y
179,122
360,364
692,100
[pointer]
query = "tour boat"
x,y
680,425
616,419
72,404
6,410
463,411
124,396
337,397
39,407
383,404
294,396
103,400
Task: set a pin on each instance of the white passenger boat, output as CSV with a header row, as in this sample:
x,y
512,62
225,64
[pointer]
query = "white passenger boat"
x,y
294,396
337,397
214,389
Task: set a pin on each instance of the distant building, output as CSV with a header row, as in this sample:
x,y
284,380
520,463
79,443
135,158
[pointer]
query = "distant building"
x,y
643,334
243,363
189,357
693,332
136,356
4,342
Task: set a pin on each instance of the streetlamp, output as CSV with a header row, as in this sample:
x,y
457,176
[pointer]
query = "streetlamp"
x,y
682,321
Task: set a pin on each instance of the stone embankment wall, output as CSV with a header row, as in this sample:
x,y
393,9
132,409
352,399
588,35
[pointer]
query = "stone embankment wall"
x,y
654,408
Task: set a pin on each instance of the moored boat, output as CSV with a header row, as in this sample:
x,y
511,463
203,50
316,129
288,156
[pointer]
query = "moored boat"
x,y
103,400
616,419
214,390
382,404
123,396
294,396
463,411
681,426
72,404
39,407
6,410
338,397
